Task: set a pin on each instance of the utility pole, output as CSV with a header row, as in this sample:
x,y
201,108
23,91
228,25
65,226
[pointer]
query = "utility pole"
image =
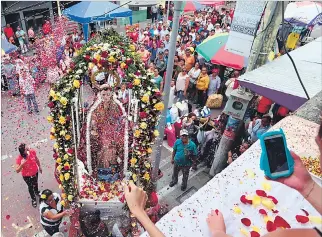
x,y
262,45
166,91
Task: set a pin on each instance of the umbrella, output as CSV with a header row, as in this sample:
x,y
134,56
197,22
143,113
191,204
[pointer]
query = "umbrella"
x,y
304,13
7,47
213,49
191,6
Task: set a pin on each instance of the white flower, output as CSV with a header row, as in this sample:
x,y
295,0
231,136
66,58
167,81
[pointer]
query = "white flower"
x,y
79,71
85,68
77,76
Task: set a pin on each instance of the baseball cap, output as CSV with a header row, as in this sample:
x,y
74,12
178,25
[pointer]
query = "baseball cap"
x,y
184,132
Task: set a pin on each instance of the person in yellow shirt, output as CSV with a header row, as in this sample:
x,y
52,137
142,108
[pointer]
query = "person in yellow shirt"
x,y
189,60
202,86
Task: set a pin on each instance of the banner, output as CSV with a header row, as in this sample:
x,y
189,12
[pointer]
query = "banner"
x,y
244,26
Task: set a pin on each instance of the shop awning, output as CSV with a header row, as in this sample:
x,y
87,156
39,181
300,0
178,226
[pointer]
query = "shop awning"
x,y
278,81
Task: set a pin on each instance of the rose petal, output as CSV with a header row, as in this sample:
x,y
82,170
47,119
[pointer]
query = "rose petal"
x,y
270,226
302,219
261,193
246,221
254,234
316,219
274,211
244,232
262,211
7,217
273,199
280,222
306,213
237,210
243,199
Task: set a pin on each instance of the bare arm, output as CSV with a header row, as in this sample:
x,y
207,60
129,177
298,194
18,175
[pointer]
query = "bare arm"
x,y
313,195
19,167
293,233
148,225
49,215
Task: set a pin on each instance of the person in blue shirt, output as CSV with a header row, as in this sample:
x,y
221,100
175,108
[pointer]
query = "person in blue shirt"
x,y
183,156
260,127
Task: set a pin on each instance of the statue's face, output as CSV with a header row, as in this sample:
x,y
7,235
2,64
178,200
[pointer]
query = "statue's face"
x,y
106,95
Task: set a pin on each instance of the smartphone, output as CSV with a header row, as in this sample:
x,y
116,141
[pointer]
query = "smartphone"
x,y
276,155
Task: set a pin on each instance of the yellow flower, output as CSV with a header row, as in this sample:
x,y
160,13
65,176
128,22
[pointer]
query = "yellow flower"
x,y
67,176
91,65
147,165
63,101
52,130
52,93
43,196
63,195
70,198
159,106
111,59
62,133
156,133
98,57
52,137
134,177
66,157
133,161
66,164
132,47
62,120
149,150
61,177
59,168
56,145
50,119
146,176
123,65
136,82
55,98
68,137
145,98
143,125
63,203
137,133
76,83
58,160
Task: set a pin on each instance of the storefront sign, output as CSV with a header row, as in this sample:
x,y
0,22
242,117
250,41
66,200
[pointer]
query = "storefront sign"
x,y
244,26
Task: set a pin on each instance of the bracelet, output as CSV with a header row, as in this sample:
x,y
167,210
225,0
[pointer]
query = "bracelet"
x,y
310,190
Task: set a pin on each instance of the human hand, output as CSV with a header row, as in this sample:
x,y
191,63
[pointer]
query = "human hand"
x,y
23,162
230,160
216,223
301,179
135,198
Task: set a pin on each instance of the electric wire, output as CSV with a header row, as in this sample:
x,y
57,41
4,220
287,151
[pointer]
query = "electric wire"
x,y
294,66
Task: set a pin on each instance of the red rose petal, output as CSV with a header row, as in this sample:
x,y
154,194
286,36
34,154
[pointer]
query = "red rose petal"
x,y
261,193
263,212
274,211
216,211
270,226
280,222
302,219
246,221
243,199
254,234
273,199
306,213
7,217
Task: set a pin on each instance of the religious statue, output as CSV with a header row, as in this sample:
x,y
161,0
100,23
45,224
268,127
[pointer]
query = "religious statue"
x,y
106,129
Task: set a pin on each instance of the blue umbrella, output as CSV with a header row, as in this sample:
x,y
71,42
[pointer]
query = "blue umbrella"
x,y
87,12
7,47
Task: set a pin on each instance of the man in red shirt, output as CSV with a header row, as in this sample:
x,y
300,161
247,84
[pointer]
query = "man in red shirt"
x,y
8,31
28,164
46,28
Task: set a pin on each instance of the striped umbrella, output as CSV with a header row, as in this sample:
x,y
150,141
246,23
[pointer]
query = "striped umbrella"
x,y
213,49
191,6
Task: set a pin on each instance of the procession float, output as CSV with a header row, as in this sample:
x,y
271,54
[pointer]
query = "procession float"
x,y
98,149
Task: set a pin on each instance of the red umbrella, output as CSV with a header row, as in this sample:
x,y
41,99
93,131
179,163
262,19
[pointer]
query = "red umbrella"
x,y
225,58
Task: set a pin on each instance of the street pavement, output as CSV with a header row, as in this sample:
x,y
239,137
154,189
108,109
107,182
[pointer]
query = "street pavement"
x,y
19,218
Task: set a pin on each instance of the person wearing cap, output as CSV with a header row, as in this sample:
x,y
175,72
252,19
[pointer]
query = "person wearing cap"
x,y
183,156
214,83
189,59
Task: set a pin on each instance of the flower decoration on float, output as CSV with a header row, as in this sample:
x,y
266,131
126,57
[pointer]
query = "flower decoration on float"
x,y
110,51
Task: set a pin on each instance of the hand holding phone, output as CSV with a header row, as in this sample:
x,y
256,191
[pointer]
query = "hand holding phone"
x,y
276,159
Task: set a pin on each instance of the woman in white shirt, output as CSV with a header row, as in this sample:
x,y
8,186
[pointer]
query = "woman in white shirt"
x,y
193,76
182,84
